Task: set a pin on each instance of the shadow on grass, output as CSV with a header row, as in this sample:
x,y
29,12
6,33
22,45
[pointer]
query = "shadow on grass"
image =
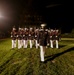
x,y
60,46
52,57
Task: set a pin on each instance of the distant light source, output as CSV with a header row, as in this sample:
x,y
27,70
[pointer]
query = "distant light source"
x,y
7,14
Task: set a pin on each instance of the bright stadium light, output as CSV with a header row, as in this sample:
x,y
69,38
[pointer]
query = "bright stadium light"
x,y
7,15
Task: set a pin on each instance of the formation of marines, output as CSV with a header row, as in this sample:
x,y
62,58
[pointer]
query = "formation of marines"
x,y
39,37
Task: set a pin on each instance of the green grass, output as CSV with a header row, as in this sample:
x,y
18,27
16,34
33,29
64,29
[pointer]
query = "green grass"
x,y
27,61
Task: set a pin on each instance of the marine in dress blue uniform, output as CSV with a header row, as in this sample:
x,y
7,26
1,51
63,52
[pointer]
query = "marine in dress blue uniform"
x,y
13,36
19,36
43,36
25,37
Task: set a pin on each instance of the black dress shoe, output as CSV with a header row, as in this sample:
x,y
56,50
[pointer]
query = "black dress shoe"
x,y
42,62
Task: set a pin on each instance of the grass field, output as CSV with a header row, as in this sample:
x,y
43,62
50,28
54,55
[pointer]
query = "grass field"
x,y
27,61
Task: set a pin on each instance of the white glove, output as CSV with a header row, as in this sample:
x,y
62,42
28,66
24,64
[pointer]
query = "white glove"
x,y
35,36
29,35
48,44
23,35
38,45
17,35
11,35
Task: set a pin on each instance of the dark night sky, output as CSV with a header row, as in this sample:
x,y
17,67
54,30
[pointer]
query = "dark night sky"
x,y
57,14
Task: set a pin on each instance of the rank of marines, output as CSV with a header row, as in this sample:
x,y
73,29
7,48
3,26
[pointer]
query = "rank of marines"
x,y
40,37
